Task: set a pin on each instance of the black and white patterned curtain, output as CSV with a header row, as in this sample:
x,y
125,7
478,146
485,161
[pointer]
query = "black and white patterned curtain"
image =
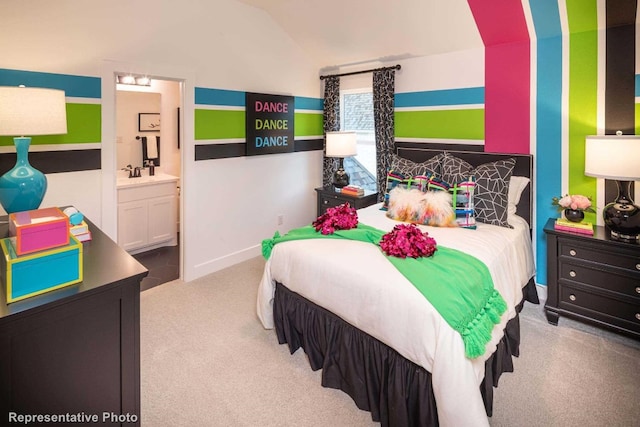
x,y
383,106
331,116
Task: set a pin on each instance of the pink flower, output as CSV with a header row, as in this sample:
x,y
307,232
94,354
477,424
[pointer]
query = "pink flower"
x,y
342,217
406,240
565,202
580,202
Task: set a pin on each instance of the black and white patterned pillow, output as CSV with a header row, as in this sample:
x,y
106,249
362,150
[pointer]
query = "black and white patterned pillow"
x,y
410,168
491,196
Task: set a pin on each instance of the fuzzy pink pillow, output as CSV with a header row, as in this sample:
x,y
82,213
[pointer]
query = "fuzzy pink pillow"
x,y
342,217
429,208
406,240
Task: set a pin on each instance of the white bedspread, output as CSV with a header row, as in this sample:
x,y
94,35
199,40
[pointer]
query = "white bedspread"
x,y
354,280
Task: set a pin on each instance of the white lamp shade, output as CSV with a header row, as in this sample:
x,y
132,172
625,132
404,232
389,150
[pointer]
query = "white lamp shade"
x,y
341,144
26,111
613,157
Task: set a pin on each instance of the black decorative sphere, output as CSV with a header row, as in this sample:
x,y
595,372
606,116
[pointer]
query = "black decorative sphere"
x,y
574,215
623,219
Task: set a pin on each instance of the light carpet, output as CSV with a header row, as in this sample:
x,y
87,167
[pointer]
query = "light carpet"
x,y
207,361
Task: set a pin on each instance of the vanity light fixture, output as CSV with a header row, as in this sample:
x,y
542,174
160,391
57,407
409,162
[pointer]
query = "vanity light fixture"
x,y
130,79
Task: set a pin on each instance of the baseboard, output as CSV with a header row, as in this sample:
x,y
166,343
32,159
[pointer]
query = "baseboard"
x,y
217,264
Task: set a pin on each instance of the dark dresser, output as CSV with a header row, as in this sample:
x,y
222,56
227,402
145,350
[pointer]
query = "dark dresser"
x,y
76,349
593,278
328,198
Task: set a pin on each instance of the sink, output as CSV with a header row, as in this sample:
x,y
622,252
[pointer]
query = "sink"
x,y
123,179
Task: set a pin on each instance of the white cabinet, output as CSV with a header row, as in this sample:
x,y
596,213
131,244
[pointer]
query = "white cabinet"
x,y
147,216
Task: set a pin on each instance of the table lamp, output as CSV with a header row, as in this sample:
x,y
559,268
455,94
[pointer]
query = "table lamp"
x,y
617,157
341,145
28,111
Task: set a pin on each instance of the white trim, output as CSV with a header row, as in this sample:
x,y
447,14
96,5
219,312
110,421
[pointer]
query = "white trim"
x,y
442,107
300,110
54,147
308,137
564,25
78,100
601,86
219,141
187,150
219,107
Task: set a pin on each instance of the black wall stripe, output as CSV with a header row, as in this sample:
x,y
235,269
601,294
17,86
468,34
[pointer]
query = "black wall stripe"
x,y
438,146
620,73
238,149
56,161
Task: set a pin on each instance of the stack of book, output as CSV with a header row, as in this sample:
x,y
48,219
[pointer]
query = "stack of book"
x,y
582,227
353,190
81,231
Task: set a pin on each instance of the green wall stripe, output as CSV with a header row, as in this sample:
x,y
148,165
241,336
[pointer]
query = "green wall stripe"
x,y
219,124
583,86
637,131
84,125
449,124
307,124
225,124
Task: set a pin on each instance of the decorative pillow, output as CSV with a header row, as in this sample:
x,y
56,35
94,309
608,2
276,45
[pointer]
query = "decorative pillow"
x,y
397,179
431,208
408,167
461,199
463,196
492,186
517,184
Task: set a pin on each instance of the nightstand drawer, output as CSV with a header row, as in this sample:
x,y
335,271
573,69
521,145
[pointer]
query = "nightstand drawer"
x,y
614,280
629,260
625,314
332,201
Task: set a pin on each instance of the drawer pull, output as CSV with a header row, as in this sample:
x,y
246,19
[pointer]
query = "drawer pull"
x,y
638,290
572,273
637,266
573,298
638,316
572,252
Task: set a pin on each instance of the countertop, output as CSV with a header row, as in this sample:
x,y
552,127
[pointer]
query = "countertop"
x,y
158,178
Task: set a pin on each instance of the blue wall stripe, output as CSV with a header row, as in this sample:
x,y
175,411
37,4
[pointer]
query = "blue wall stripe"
x,y
233,98
546,19
73,86
304,103
637,84
472,95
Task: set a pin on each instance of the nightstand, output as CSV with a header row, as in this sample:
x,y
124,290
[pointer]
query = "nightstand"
x,y
328,198
593,278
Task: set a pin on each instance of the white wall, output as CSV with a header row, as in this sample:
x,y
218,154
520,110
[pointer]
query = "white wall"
x,y
229,205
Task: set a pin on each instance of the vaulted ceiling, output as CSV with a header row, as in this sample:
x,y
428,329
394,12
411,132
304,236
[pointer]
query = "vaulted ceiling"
x,y
338,33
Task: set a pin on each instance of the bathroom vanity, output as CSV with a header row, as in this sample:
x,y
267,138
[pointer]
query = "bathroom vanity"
x,y
147,212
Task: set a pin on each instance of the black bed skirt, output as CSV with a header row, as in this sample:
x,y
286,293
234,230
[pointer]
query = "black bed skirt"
x,y
395,390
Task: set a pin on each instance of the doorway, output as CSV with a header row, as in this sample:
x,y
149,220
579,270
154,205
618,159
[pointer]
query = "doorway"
x,y
161,100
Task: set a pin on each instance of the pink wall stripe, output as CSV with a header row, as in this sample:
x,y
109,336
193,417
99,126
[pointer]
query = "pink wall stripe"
x,y
503,29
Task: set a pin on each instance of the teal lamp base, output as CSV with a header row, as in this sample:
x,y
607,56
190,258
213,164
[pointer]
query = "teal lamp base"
x,y
23,187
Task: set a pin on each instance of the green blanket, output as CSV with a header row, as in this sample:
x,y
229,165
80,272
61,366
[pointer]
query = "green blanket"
x,y
458,285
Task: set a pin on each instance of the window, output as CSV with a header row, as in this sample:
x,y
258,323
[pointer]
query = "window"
x,y
356,114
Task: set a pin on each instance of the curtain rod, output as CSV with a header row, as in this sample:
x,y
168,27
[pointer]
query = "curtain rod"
x,y
395,67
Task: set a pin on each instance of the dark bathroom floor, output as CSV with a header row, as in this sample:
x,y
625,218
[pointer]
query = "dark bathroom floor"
x,y
163,265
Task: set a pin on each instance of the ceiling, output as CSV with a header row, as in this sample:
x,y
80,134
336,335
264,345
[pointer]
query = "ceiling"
x,y
339,33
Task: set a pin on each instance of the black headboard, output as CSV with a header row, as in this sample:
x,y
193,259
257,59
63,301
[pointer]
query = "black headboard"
x,y
523,167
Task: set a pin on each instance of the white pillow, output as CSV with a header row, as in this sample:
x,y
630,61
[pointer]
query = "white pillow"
x,y
517,184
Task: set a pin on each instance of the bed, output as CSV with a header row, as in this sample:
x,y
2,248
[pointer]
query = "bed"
x,y
376,337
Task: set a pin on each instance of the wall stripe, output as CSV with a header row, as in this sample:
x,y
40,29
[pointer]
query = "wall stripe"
x,y
503,29
472,95
619,96
548,154
583,90
219,123
443,124
74,86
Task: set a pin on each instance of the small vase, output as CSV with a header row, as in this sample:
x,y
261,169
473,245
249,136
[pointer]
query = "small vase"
x,y
574,215
23,187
